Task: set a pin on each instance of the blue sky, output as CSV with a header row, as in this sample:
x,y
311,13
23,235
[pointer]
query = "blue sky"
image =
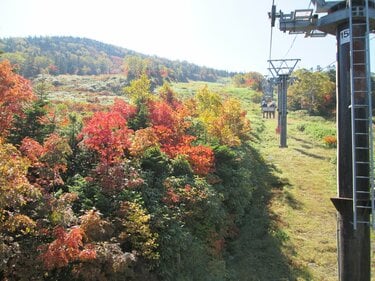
x,y
232,35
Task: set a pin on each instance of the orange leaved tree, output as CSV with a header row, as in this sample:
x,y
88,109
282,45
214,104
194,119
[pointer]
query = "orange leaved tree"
x,y
107,134
15,92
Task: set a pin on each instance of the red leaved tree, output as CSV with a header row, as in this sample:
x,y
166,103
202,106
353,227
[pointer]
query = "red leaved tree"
x,y
67,247
200,157
49,160
170,127
107,134
125,109
15,92
162,114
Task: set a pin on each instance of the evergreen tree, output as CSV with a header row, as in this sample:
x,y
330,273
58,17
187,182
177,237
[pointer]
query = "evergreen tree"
x,y
31,125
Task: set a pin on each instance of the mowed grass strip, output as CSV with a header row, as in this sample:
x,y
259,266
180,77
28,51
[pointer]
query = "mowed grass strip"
x,y
302,208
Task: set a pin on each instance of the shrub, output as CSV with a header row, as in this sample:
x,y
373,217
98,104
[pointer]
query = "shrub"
x,y
256,97
330,141
318,130
301,127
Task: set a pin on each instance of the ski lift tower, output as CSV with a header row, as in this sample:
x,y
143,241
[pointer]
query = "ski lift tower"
x,y
351,21
281,71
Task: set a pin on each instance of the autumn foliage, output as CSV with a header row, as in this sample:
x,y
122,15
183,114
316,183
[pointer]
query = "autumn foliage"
x,y
15,190
108,135
118,190
15,92
330,141
67,247
49,160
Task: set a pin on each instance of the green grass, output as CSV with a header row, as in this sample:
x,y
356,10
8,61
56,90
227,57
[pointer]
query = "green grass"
x,y
315,126
224,88
302,207
290,231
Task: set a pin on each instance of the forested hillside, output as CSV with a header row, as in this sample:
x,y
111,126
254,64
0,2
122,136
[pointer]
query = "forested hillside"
x,y
82,56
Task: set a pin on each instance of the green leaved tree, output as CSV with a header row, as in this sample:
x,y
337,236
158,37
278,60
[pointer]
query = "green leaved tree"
x,y
312,91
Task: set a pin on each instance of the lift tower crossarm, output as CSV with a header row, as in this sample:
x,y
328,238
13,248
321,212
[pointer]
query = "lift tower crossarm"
x,y
323,7
334,13
282,66
319,2
298,21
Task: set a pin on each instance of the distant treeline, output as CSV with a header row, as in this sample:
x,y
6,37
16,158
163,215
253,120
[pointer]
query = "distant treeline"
x,y
82,56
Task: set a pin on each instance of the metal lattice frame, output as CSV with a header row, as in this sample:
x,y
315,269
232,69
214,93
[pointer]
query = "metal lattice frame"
x,y
282,66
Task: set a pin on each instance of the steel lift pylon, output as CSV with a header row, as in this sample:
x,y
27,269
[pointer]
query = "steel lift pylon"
x,y
351,21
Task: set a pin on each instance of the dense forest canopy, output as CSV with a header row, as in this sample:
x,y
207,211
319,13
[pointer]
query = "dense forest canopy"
x,y
82,56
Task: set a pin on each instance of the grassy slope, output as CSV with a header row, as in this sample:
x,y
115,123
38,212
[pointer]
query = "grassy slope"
x,y
295,239
302,208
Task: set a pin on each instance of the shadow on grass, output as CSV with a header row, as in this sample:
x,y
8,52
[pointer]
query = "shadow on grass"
x,y
306,146
292,201
257,253
310,154
309,143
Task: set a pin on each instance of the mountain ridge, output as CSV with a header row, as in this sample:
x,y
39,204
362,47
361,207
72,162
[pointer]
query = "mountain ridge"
x,y
84,56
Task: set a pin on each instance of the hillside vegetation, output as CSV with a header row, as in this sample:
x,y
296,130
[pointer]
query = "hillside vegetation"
x,y
82,56
106,180
123,176
147,187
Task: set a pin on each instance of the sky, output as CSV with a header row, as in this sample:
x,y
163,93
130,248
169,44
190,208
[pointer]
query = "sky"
x,y
231,35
